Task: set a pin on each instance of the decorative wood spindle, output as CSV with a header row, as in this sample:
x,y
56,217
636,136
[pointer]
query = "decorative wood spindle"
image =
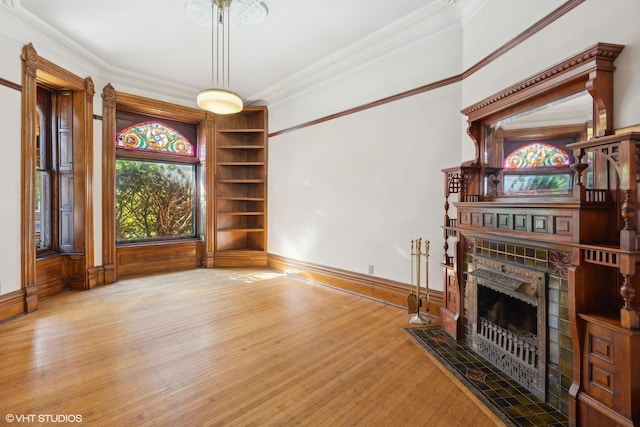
x,y
579,168
628,211
446,231
627,291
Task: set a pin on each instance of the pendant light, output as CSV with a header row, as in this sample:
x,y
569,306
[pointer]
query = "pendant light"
x,y
219,99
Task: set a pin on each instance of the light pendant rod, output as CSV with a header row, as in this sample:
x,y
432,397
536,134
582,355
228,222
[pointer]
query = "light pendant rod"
x,y
219,27
213,41
219,99
228,38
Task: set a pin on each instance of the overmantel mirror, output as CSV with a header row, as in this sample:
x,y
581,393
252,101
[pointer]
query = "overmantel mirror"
x,y
522,133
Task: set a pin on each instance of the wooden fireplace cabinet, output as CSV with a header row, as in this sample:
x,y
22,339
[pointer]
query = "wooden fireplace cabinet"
x,y
595,222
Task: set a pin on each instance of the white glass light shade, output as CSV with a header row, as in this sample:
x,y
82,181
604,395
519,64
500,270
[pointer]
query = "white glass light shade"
x,y
219,101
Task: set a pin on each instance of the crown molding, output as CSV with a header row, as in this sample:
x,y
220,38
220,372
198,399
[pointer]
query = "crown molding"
x,y
56,47
426,22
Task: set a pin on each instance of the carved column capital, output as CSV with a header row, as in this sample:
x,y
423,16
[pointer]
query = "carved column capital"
x,y
30,60
89,89
108,96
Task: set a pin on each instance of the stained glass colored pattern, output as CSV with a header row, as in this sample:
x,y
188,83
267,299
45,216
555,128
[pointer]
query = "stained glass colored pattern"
x,y
155,137
537,155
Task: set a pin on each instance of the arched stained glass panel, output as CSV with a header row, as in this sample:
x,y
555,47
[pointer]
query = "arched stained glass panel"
x,y
537,155
155,137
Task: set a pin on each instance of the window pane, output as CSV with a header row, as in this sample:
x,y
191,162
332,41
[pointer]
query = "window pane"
x,y
155,137
537,155
154,200
537,183
43,210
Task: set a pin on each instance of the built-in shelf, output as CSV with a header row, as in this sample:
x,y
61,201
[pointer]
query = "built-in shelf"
x,y
241,131
241,171
241,163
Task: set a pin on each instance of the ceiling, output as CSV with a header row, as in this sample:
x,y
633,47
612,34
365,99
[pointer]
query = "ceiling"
x,y
299,43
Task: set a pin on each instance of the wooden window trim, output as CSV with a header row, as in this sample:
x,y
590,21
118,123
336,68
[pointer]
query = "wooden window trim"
x,y
37,70
114,101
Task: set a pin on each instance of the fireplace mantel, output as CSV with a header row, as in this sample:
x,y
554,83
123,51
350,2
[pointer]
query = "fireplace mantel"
x,y
583,239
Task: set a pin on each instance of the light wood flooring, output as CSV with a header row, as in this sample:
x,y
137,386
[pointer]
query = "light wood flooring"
x,y
232,347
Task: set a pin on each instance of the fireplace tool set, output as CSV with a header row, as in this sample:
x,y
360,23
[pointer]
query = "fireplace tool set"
x,y
419,248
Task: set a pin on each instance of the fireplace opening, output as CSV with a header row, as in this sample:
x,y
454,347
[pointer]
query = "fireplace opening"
x,y
507,313
508,323
514,315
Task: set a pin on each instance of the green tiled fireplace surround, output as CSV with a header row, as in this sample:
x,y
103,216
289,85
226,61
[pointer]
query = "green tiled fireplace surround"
x,y
554,263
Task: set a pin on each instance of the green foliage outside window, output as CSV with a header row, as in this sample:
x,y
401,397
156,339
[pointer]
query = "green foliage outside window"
x,y
154,200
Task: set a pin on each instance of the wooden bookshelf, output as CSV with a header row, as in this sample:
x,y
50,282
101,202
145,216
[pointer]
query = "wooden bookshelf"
x,y
241,188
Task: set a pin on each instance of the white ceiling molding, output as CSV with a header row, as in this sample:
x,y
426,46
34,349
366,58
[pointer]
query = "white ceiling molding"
x,y
395,37
56,47
49,36
430,18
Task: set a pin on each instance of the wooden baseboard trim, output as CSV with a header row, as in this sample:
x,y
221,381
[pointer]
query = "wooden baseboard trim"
x,y
239,258
12,305
94,274
376,288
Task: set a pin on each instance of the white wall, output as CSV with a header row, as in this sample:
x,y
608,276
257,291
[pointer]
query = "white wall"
x,y
10,69
354,191
10,190
496,22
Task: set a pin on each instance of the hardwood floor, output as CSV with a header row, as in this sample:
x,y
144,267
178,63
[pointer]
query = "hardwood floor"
x,y
224,347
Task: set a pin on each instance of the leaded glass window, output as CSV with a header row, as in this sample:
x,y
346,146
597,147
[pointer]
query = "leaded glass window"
x,y
156,182
537,168
155,137
537,155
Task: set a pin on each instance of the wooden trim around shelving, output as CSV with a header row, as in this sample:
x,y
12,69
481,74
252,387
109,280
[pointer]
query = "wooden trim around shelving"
x,y
532,30
376,288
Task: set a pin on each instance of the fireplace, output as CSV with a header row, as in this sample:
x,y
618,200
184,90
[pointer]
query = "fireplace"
x,y
507,312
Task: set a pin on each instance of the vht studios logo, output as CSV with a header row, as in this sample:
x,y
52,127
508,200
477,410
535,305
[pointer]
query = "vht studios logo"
x,y
43,418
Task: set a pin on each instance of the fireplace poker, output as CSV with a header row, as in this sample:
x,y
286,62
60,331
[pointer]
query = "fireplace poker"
x,y
412,299
426,275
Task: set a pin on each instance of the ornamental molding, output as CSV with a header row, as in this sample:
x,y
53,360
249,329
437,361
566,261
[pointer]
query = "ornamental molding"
x,y
598,52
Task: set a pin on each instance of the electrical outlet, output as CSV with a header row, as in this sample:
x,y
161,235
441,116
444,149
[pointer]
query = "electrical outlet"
x,y
370,268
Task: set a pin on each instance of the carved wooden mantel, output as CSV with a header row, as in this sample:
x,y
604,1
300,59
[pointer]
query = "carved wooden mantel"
x,y
596,222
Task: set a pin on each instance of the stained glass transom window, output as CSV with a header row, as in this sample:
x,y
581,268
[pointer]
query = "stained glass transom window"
x,y
155,137
537,155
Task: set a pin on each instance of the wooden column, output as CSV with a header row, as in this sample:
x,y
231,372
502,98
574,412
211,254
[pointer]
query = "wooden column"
x,y
108,183
28,166
206,137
